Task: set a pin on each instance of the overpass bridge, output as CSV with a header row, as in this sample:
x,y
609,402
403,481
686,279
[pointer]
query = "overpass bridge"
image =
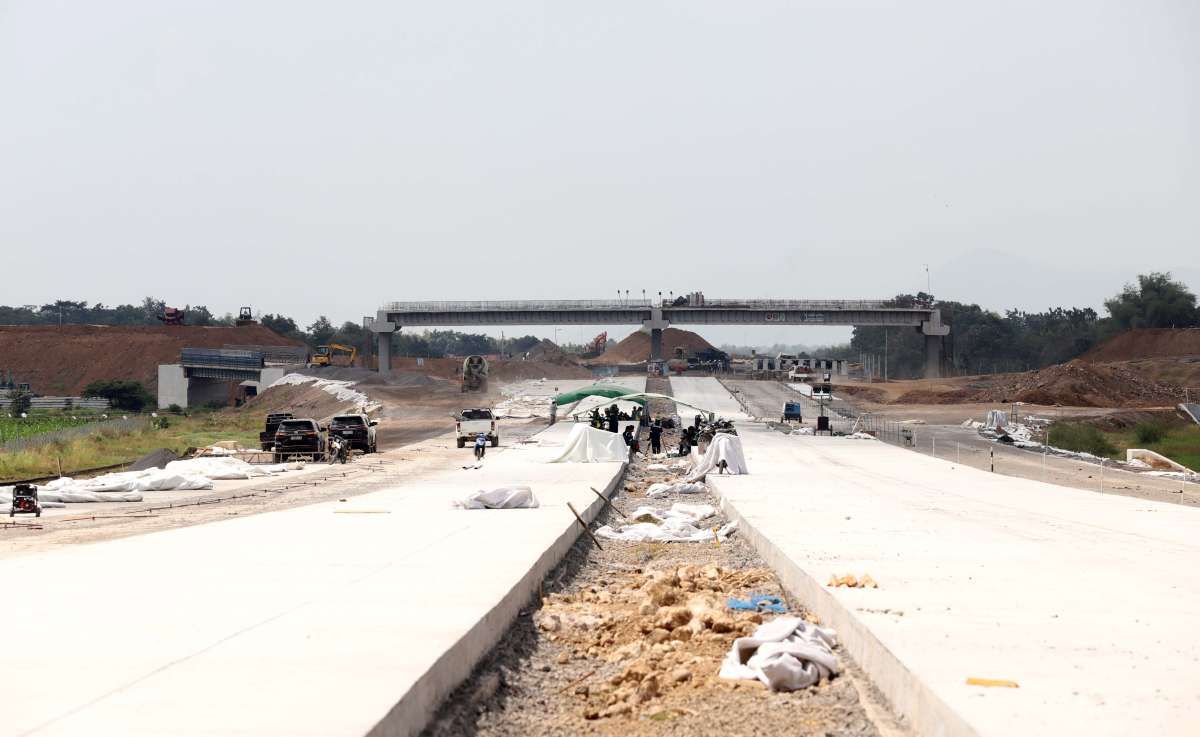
x,y
656,317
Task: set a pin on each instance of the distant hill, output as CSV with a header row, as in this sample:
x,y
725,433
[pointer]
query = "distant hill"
x,y
63,359
1132,345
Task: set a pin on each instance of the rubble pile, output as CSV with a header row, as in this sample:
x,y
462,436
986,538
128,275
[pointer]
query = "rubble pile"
x,y
647,633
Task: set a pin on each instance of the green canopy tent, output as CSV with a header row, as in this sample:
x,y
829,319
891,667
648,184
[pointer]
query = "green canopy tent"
x,y
610,391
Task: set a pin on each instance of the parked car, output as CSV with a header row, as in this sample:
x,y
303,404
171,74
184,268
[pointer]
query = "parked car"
x,y
358,430
470,422
299,438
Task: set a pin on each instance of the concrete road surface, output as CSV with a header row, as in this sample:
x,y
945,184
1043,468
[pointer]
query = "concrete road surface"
x,y
336,618
1087,601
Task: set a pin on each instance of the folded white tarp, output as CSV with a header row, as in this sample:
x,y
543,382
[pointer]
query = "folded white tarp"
x,y
683,487
672,530
786,654
691,512
586,444
724,447
505,497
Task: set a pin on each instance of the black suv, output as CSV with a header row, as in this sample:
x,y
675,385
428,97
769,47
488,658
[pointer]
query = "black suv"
x,y
357,430
299,438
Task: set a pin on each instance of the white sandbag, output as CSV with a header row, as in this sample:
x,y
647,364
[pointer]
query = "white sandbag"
x,y
216,468
656,467
586,444
81,495
109,482
682,487
724,447
785,654
505,497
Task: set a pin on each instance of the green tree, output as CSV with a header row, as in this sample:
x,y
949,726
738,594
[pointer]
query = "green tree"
x,y
1156,301
128,395
321,331
21,401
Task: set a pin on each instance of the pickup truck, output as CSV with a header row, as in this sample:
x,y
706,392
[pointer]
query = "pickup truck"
x,y
470,422
357,430
299,438
266,438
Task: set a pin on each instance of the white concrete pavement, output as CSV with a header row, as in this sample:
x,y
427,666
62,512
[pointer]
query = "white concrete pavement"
x,y
336,618
1088,601
707,392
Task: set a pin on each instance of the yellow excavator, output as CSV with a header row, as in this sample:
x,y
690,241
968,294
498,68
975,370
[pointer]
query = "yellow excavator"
x,y
325,353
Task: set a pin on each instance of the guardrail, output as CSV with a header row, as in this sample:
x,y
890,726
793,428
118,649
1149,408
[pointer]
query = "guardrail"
x,y
59,402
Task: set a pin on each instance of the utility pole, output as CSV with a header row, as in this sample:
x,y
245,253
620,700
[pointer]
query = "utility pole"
x,y
885,356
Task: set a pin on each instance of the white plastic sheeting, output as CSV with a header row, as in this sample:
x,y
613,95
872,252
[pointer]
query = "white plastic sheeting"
x,y
505,497
677,529
724,447
693,512
339,389
682,487
586,444
785,654
196,474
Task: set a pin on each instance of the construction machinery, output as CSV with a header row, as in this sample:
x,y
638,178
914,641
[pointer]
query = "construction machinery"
x,y
171,316
474,374
597,346
25,501
325,354
245,317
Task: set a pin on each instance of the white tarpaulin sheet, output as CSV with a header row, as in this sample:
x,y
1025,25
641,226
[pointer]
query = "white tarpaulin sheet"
x,y
588,445
785,654
505,497
724,447
196,474
678,529
692,512
683,487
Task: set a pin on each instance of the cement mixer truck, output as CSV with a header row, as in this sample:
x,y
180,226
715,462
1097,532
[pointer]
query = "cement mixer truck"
x,y
474,374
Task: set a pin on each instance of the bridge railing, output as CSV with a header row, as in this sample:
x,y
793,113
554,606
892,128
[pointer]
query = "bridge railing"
x,y
634,304
514,305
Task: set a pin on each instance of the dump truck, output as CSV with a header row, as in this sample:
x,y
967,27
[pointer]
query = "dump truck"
x,y
474,374
325,354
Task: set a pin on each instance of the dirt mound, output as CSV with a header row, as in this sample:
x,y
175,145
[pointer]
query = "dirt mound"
x,y
1075,384
63,359
1132,345
636,348
549,352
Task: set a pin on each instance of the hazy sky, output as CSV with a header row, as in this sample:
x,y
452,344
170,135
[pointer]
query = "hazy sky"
x,y
322,158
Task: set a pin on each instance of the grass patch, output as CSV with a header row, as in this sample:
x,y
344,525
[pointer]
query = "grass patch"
x,y
1081,438
1180,444
108,446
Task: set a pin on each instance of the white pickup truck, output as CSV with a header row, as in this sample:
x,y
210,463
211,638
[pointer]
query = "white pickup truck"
x,y
470,422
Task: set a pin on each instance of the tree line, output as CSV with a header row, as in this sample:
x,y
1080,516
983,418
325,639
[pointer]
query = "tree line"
x,y
983,341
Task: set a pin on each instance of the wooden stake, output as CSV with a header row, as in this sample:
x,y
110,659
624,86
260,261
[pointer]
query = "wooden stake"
x,y
608,502
584,526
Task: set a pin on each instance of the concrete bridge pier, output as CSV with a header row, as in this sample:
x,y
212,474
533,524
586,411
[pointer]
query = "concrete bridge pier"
x,y
383,341
933,330
656,324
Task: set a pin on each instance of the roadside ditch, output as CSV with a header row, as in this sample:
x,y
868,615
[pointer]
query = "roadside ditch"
x,y
628,640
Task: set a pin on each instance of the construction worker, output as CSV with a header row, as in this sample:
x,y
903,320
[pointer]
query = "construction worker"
x,y
553,412
656,437
631,440
614,417
480,446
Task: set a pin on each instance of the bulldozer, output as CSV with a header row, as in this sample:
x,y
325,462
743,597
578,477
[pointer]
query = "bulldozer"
x,y
325,354
245,317
171,316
